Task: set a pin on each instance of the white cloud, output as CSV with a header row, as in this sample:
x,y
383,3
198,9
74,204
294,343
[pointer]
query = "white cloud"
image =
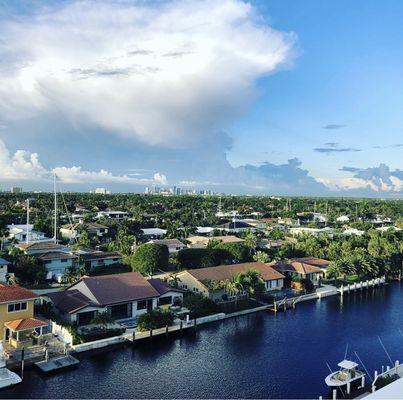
x,y
23,165
163,74
337,184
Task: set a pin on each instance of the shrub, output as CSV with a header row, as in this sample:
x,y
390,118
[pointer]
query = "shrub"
x,y
149,258
155,319
199,306
199,258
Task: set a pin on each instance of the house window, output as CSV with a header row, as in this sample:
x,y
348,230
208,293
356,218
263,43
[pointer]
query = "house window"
x,y
165,300
142,305
63,261
17,307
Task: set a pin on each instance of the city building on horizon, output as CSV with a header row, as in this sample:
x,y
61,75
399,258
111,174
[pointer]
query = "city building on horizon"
x,y
101,191
16,189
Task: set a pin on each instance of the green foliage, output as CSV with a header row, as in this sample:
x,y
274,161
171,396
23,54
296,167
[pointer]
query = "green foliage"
x,y
199,305
154,319
29,271
148,258
261,256
250,282
234,252
199,258
102,318
123,242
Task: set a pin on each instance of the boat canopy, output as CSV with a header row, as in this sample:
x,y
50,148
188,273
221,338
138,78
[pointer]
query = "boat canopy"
x,y
347,364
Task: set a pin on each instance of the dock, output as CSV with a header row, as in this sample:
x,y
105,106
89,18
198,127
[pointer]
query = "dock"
x,y
56,364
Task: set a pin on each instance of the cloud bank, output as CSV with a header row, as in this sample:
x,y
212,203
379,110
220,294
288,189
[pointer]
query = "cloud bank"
x,y
165,74
26,166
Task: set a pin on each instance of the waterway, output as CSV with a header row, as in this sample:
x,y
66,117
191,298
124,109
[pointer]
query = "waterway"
x,y
261,355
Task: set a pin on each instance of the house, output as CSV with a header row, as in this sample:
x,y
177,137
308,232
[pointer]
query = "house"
x,y
198,280
200,242
302,230
115,215
343,219
57,263
72,231
321,263
204,230
153,232
33,248
122,296
93,259
20,233
300,268
353,231
17,321
3,269
236,226
174,245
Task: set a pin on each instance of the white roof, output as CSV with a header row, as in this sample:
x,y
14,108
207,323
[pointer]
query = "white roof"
x,y
154,231
392,391
204,229
347,364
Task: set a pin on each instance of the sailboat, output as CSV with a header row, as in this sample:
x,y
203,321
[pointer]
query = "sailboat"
x,y
7,377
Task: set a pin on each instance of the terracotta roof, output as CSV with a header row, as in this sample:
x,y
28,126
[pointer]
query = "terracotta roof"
x,y
317,262
9,293
222,272
25,324
85,225
223,239
162,287
70,300
118,288
295,266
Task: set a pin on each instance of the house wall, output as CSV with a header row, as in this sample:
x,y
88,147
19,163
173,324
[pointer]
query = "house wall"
x,y
173,294
64,249
274,284
58,267
103,262
188,282
6,316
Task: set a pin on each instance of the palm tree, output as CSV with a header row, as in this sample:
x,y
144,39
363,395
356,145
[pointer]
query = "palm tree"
x,y
102,318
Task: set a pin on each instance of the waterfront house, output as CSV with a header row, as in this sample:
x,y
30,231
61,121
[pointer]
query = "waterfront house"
x,y
303,230
301,268
73,231
122,296
203,241
115,215
94,259
17,322
3,269
198,280
174,245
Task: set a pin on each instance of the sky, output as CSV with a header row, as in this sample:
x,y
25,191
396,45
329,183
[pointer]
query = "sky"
x,y
258,97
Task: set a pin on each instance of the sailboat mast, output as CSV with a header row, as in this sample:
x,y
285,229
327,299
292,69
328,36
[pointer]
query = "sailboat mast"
x,y
55,210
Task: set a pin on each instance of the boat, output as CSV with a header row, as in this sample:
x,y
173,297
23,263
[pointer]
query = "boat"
x,y
7,377
347,374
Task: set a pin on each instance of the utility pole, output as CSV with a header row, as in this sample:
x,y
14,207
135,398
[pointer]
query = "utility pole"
x,y
26,237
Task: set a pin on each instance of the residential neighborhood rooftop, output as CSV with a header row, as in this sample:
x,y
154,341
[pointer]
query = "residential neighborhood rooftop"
x,y
14,293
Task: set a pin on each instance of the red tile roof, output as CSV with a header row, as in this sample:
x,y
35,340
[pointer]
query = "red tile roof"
x,y
222,272
9,293
25,324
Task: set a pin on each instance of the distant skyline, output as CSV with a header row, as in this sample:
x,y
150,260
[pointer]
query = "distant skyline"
x,y
258,97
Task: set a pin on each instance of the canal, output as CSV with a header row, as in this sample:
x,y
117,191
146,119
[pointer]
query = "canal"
x,y
257,356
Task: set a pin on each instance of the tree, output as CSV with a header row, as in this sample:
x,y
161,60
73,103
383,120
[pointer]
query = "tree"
x,y
149,258
250,240
83,241
251,281
234,252
261,256
102,318
155,319
199,258
123,242
29,271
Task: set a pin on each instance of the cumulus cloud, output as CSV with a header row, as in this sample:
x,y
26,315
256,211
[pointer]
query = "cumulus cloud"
x,y
378,179
26,166
164,74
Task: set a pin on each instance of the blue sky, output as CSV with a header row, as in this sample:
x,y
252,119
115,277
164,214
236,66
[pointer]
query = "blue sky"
x,y
223,100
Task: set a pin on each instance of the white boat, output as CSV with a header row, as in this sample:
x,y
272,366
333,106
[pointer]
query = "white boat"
x,y
347,374
7,377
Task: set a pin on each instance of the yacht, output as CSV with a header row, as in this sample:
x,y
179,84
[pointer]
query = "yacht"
x,y
7,377
347,374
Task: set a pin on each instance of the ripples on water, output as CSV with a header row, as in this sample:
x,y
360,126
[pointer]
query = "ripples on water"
x,y
257,356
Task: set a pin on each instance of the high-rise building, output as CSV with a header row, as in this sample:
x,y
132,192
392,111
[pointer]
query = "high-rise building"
x,y
16,189
102,191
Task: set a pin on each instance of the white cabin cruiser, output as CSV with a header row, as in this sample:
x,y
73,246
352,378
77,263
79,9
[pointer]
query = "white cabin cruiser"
x,y
7,377
347,374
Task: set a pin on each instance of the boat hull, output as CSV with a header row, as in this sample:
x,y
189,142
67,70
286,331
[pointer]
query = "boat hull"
x,y
8,378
